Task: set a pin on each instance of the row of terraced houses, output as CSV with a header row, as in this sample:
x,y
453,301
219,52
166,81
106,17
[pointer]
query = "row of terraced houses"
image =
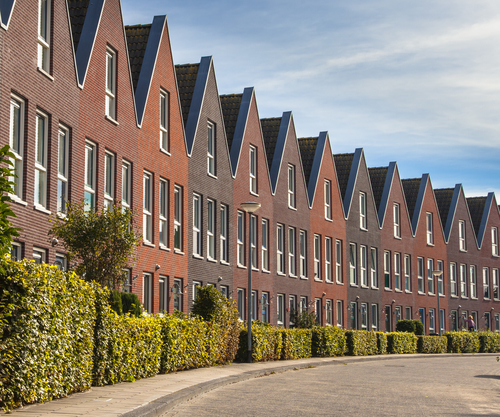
x,y
97,111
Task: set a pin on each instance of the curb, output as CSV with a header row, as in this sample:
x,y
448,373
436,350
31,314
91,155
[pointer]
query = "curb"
x,y
163,404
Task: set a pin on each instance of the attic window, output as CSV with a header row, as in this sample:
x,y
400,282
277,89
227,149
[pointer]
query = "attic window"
x,y
44,35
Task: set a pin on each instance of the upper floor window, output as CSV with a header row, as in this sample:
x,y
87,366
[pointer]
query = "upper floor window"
x,y
62,170
224,257
291,186
241,239
16,133
253,170
291,251
328,259
397,220
253,241
164,119
430,275
387,269
338,260
265,244
463,280
126,184
362,210
420,274
440,278
397,271
317,257
494,241
373,268
407,273
178,218
328,200
352,264
211,150
196,225
147,208
486,283
453,279
110,83
109,179
430,234
363,261
280,247
302,254
44,35
211,229
461,236
163,223
473,281
41,164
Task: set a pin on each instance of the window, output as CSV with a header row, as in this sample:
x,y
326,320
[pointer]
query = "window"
x,y
440,278
441,320
430,236
454,321
474,318
196,225
280,243
303,304
196,285
90,174
317,310
41,164
430,276
178,218
224,257
224,289
353,279
163,213
463,280
494,241
364,316
362,211
265,307
473,281
420,265
408,315
127,282
362,265
496,284
421,316
110,83
280,305
164,121
240,304
373,268
265,245
126,182
291,251
497,322
340,314
387,269
486,283
453,279
397,271
317,257
432,319
302,254
328,259
163,294
241,239
178,292
147,292
291,186
44,13
211,229
147,208
16,134
62,170
338,261
253,241
39,255
329,312
461,236
407,273
374,317
397,220
61,262
328,200
211,150
292,307
15,251
353,308
109,180
397,313
253,170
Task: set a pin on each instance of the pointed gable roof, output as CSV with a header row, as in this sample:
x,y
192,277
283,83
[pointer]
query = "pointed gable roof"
x,y
307,148
381,179
85,16
347,173
343,163
143,43
186,81
270,129
6,7
230,104
479,209
377,179
447,200
414,190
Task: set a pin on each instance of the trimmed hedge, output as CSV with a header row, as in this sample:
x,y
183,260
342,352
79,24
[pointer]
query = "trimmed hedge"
x,y
489,342
432,344
296,343
401,342
381,342
328,341
267,343
361,343
410,326
462,342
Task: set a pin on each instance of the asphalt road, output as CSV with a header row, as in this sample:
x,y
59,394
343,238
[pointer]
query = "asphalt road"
x,y
442,386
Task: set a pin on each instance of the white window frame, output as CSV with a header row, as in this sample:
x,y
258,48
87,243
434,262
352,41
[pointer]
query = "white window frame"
x,y
374,267
211,150
253,170
453,279
496,284
253,242
44,38
397,220
463,280
16,251
340,313
328,200
194,292
90,175
440,278
62,169
240,239
486,283
363,263
109,179
429,228
16,141
338,261
408,315
197,214
164,121
362,211
61,262
473,281
328,259
110,83
461,236
374,317
292,307
494,241
265,245
420,275
41,160
432,320
240,303
397,271
280,309
387,270
303,304
265,306
302,254
163,294
147,292
210,229
407,273
353,278
126,183
317,311
178,290
147,206
163,214
254,305
431,286
178,211
317,257
292,250
329,312
280,248
364,316
39,255
224,248
291,187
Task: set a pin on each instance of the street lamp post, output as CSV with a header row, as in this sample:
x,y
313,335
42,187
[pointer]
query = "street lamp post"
x,y
250,208
437,274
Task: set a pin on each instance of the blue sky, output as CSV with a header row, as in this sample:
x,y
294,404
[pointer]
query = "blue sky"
x,y
412,82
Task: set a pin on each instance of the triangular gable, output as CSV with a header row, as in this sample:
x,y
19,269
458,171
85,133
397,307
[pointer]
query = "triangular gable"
x,y
233,111
414,191
312,152
351,181
447,201
381,182
479,209
143,44
6,7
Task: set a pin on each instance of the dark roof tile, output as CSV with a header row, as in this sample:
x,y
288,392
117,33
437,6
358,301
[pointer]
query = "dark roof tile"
x,y
443,200
270,131
230,104
377,179
411,188
137,40
186,80
307,148
77,13
343,163
476,210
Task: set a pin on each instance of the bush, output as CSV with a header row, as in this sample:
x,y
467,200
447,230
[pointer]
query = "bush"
x,y
267,343
361,343
410,326
381,342
303,320
115,302
400,342
432,344
131,304
328,341
489,342
463,342
296,343
46,328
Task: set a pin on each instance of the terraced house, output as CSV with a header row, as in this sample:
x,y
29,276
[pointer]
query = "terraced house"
x,y
99,112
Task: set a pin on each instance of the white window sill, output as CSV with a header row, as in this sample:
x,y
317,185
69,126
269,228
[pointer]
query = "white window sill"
x,y
146,243
292,208
407,292
42,209
165,152
388,289
397,237
340,283
110,119
42,71
17,200
374,288
166,248
364,229
281,274
255,269
353,285
212,175
196,256
178,252
396,290
254,194
224,262
430,244
212,260
421,293
328,282
328,220
304,278
241,266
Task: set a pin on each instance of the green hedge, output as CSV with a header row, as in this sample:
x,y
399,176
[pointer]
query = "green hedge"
x,y
432,344
401,342
267,343
381,342
46,328
361,343
296,343
463,342
328,341
489,342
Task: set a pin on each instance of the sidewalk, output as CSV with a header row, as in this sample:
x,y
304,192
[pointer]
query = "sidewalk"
x,y
155,396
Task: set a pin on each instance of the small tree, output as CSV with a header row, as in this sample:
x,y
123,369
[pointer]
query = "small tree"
x,y
7,231
304,320
101,243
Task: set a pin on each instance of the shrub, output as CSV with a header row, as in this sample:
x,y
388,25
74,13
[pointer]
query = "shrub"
x,y
410,326
361,343
462,342
296,343
115,302
267,343
131,304
489,342
46,328
432,344
303,320
400,342
328,341
381,342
